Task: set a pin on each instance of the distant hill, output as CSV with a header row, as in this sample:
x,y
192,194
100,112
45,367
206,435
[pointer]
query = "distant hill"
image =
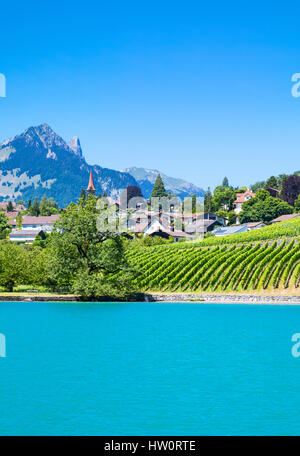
x,y
39,162
146,178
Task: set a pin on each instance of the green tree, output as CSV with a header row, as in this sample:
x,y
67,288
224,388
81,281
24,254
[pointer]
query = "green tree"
x,y
159,190
35,260
11,265
4,226
223,198
272,182
290,189
41,240
225,182
19,221
34,210
297,205
258,186
242,189
258,209
231,217
262,194
83,194
10,207
88,259
208,201
48,206
194,203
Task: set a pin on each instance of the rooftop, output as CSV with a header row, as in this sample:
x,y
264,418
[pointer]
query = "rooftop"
x,y
241,197
284,218
31,220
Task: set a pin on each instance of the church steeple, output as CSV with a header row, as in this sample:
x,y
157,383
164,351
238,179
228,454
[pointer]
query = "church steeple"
x,y
91,187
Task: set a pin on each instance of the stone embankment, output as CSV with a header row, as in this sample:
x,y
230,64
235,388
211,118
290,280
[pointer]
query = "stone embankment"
x,y
232,299
200,298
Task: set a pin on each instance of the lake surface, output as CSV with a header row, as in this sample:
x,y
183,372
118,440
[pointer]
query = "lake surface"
x,y
149,369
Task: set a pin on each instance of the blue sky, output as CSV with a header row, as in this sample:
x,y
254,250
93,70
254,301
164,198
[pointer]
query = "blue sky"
x,y
196,89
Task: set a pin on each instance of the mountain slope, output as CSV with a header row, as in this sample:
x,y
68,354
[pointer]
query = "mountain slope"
x,y
146,178
39,162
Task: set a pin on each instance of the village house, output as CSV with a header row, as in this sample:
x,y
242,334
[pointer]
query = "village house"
x,y
189,218
202,227
17,207
241,198
31,227
228,230
29,222
173,218
159,227
25,236
211,216
255,225
237,229
183,225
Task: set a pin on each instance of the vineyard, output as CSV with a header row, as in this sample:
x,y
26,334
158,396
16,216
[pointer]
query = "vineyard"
x,y
259,260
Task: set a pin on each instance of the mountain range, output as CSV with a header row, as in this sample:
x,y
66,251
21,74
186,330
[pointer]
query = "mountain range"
x,y
39,162
146,178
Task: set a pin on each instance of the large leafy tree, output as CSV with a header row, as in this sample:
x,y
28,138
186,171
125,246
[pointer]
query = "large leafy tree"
x,y
272,182
20,265
48,206
263,208
223,198
88,259
11,265
290,189
297,205
4,226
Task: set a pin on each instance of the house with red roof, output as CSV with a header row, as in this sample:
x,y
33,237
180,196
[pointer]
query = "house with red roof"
x,y
241,198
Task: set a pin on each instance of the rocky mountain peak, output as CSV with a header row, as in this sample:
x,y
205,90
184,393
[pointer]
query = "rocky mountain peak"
x,y
75,146
39,162
45,135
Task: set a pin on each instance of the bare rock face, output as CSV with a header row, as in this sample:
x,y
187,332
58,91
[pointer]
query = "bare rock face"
x,y
40,162
75,146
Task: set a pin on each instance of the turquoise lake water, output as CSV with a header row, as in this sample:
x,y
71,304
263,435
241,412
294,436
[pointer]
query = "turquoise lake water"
x,y
149,369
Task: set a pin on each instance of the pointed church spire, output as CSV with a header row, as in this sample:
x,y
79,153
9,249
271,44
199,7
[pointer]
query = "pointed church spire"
x,y
91,187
